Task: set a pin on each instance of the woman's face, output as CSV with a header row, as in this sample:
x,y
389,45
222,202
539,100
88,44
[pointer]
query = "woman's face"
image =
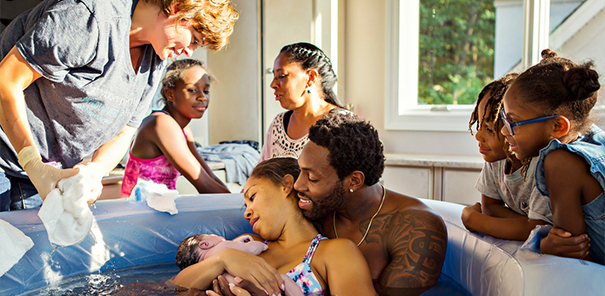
x,y
289,82
174,39
191,94
528,139
264,207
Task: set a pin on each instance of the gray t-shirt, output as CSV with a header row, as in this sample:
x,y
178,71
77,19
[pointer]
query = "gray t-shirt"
x,y
519,193
88,90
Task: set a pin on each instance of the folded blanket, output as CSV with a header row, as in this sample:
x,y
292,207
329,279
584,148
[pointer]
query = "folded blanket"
x,y
13,245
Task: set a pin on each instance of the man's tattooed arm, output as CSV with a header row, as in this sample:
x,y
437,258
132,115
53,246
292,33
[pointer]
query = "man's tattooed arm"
x,y
416,242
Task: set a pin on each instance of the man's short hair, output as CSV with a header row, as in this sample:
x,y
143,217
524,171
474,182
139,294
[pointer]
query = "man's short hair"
x,y
353,144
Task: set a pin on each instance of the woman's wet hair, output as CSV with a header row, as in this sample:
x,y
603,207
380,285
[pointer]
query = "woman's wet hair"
x,y
493,104
309,56
275,169
559,86
214,19
174,73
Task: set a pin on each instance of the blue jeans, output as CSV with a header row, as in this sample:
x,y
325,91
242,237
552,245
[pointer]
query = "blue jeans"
x,y
17,194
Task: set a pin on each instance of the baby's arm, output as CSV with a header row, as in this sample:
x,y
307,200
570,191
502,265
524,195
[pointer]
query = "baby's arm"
x,y
506,225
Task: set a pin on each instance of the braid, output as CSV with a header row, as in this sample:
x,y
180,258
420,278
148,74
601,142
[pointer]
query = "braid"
x,y
491,112
310,56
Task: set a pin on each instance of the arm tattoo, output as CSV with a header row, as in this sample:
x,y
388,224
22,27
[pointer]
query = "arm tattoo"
x,y
416,242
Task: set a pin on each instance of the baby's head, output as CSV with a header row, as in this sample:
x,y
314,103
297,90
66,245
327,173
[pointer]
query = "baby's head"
x,y
192,249
486,120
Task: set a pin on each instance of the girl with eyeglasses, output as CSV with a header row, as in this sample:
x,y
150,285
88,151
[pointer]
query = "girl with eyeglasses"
x,y
511,206
545,114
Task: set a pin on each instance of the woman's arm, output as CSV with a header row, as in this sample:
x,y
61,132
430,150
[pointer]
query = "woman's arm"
x,y
347,270
252,268
16,75
110,153
213,178
169,138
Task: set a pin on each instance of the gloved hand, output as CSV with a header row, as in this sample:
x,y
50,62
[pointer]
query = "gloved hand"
x,y
43,176
91,176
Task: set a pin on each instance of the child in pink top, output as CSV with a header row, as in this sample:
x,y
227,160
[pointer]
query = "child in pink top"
x,y
163,147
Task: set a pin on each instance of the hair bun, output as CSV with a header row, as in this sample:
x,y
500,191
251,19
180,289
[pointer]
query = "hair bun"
x,y
547,54
581,82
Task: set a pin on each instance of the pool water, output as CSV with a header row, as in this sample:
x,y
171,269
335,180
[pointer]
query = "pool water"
x,y
148,279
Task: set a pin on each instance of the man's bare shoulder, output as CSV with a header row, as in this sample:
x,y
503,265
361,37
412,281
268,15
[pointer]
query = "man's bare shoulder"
x,y
415,239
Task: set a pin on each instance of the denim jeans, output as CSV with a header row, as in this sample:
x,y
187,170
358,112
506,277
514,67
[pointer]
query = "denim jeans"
x,y
17,194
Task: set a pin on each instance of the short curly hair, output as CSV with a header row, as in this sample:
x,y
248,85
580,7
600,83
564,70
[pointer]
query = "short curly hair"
x,y
353,144
214,19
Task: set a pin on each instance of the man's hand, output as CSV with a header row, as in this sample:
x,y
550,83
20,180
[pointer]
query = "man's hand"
x,y
242,288
466,215
559,242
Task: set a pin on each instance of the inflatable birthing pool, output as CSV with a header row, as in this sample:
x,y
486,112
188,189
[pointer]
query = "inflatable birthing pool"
x,y
127,234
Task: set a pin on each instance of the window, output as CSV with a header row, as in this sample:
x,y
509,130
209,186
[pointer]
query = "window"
x,y
435,72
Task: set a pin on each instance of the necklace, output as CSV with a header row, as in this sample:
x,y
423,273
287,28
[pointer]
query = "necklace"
x,y
384,194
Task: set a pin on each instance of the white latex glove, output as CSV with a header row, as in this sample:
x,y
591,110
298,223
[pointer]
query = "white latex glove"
x,y
90,182
43,176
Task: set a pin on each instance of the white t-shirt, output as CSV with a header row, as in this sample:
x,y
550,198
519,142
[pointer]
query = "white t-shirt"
x,y
518,193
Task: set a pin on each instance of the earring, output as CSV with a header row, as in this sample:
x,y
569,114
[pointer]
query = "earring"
x,y
351,190
308,90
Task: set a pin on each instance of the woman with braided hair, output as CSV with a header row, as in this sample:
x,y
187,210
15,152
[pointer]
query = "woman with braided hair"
x,y
303,82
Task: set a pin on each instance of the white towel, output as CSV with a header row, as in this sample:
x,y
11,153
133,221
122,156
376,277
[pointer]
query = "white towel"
x,y
158,196
13,245
65,212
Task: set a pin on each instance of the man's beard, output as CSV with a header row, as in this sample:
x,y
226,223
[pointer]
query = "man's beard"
x,y
323,207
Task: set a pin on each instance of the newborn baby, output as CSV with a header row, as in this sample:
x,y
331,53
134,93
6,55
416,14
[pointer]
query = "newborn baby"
x,y
198,247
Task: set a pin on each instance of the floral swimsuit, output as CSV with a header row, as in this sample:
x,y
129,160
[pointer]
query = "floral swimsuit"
x,y
302,273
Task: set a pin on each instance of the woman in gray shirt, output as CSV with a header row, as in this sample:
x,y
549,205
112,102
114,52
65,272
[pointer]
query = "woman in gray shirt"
x,y
77,79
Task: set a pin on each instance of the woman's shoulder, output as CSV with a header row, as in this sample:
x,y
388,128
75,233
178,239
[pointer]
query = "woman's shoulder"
x,y
336,247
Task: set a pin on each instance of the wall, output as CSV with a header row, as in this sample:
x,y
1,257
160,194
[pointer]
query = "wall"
x,y
234,112
365,40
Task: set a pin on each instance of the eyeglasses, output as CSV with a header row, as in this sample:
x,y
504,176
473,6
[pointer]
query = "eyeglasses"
x,y
509,125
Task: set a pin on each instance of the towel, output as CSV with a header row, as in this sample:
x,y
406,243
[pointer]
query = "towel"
x,y
239,160
535,237
65,212
13,245
158,196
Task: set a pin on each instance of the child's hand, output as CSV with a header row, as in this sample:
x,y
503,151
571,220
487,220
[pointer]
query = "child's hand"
x,y
559,242
467,212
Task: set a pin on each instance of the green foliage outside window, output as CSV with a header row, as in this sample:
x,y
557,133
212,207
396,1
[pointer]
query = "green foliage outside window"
x,y
456,50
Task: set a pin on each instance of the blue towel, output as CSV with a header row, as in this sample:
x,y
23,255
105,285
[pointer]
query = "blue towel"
x,y
239,160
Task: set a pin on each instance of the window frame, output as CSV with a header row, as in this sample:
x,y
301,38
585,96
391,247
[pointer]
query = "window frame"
x,y
402,111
